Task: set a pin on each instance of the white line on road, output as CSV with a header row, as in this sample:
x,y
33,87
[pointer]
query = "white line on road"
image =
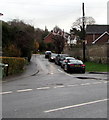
x,y
72,85
77,105
96,82
59,86
42,88
60,70
86,84
24,90
2,93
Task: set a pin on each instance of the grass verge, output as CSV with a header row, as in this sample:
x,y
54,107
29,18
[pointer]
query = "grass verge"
x,y
96,67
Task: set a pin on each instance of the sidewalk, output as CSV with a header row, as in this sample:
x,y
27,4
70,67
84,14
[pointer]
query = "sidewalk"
x,y
30,70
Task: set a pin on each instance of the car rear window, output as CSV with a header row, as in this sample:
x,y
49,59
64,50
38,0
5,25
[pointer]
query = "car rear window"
x,y
75,61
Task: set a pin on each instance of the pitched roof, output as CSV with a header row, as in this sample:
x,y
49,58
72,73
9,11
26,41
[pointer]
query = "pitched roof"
x,y
100,37
97,29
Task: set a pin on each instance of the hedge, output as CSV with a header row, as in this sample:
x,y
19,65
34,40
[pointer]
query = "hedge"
x,y
15,64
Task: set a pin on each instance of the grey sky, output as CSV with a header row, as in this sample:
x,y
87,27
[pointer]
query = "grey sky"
x,y
62,13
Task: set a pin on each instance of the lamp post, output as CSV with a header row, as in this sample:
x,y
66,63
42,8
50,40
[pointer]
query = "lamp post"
x,y
83,33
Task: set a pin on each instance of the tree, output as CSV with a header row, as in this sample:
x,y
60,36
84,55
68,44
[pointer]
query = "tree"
x,y
21,35
87,20
59,42
12,51
39,37
77,27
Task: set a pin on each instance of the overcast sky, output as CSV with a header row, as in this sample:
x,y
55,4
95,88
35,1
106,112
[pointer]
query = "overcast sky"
x,y
63,13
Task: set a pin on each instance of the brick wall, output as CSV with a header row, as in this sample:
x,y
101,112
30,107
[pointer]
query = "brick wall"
x,y
95,53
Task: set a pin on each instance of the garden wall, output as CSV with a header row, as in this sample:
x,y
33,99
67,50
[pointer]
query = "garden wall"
x,y
95,53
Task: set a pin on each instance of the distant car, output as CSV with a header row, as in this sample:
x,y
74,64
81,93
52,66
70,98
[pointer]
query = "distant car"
x,y
66,60
74,66
52,57
59,58
47,54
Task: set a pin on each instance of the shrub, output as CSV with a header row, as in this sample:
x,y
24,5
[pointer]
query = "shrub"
x,y
12,51
15,64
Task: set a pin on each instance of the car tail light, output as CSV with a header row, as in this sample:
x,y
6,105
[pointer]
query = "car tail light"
x,y
83,65
72,65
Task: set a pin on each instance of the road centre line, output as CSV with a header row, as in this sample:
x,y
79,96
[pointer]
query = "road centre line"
x,y
72,85
59,86
24,90
86,84
76,105
96,82
2,93
42,88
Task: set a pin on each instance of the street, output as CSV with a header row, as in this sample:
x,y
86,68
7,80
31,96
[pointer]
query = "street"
x,y
53,93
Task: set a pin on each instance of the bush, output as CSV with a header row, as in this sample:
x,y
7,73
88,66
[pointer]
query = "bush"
x,y
11,51
15,64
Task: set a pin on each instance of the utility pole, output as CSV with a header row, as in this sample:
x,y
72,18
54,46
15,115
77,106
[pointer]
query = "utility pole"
x,y
83,33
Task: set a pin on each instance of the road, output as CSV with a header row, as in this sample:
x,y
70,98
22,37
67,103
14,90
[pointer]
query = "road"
x,y
53,93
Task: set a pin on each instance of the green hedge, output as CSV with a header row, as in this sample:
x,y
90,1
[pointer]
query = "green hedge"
x,y
15,64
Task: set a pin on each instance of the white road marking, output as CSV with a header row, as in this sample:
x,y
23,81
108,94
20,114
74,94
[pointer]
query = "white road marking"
x,y
24,90
42,88
72,85
60,70
105,81
77,105
96,82
86,84
59,86
2,93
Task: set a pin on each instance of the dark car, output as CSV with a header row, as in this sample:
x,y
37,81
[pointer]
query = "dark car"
x,y
74,66
59,58
66,60
47,54
52,57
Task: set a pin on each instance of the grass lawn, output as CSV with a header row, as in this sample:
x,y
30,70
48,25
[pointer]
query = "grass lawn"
x,y
96,67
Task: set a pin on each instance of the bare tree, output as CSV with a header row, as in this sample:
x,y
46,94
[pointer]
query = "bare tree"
x,y
59,42
87,20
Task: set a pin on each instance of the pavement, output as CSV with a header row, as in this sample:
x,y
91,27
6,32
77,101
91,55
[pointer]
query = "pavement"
x,y
29,70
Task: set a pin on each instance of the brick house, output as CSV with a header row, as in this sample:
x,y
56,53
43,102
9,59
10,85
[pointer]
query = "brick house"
x,y
48,38
97,34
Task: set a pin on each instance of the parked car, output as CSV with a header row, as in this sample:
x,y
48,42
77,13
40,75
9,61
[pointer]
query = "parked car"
x,y
59,58
74,66
66,60
47,54
52,57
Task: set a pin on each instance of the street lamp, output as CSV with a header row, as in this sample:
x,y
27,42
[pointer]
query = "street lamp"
x,y
83,33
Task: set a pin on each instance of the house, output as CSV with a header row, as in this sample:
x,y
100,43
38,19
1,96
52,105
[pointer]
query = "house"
x,y
48,38
97,34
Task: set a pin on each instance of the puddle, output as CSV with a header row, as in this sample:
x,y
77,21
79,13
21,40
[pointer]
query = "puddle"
x,y
85,78
90,78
